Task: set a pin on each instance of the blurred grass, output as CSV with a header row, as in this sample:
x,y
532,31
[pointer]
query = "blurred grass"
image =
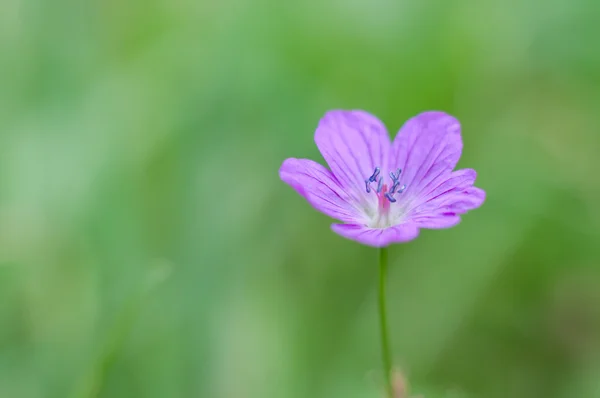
x,y
137,135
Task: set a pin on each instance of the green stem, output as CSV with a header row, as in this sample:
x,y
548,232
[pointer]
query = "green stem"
x,y
385,341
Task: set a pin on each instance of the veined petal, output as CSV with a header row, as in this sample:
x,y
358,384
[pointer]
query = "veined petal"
x,y
377,237
353,143
442,205
427,148
439,221
320,188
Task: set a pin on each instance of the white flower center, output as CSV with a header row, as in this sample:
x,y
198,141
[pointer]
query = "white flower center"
x,y
382,216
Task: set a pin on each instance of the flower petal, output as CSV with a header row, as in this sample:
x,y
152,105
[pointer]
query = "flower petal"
x,y
427,149
442,205
353,143
440,221
320,188
377,237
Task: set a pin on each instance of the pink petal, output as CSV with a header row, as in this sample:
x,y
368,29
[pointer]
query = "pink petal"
x,y
441,206
427,149
319,187
377,237
353,143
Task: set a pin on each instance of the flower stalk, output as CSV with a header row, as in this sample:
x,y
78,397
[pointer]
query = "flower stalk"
x,y
385,341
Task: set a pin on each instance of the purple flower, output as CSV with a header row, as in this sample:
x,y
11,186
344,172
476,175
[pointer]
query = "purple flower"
x,y
384,192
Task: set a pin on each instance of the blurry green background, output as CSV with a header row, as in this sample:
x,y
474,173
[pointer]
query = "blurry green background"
x,y
149,249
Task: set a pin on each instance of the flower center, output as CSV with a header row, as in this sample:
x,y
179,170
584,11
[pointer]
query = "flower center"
x,y
382,189
385,195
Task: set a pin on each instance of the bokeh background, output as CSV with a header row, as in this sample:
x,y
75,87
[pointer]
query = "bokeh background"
x,y
149,249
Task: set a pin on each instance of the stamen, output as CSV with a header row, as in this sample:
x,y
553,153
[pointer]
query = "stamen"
x,y
396,176
395,190
382,188
390,197
380,185
375,174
